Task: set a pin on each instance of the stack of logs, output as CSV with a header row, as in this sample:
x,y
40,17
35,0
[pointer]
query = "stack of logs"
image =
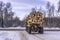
x,y
35,17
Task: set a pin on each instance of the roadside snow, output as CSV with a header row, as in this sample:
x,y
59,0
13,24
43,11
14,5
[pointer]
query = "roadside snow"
x,y
52,28
9,35
13,27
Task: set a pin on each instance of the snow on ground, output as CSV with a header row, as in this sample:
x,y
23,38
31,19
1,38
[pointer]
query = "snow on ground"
x,y
23,35
19,27
48,35
9,35
51,28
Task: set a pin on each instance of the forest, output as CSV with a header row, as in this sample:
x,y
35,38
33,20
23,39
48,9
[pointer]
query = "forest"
x,y
7,18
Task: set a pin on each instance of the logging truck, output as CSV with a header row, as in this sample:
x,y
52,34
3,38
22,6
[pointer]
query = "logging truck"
x,y
35,22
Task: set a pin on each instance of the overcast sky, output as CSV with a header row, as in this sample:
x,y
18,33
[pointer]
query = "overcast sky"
x,y
23,7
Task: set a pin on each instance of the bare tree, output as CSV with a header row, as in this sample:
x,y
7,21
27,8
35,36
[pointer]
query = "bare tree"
x,y
52,10
40,9
48,9
33,9
59,6
6,15
1,13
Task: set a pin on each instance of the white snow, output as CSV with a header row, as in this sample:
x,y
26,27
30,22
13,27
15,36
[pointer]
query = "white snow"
x,y
9,35
23,35
48,35
19,27
51,28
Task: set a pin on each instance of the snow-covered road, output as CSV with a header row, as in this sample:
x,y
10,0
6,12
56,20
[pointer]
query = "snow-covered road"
x,y
48,35
23,35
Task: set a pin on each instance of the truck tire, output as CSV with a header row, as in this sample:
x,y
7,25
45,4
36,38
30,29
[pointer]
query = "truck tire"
x,y
26,28
29,30
40,30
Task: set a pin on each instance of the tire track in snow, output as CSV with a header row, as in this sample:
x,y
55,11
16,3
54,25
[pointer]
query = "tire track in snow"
x,y
23,36
26,36
40,36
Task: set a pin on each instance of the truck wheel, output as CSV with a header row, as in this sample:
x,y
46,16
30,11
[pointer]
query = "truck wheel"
x,y
29,30
26,28
40,30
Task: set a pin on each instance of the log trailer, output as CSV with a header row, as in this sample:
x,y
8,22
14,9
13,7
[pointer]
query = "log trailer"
x,y
35,22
